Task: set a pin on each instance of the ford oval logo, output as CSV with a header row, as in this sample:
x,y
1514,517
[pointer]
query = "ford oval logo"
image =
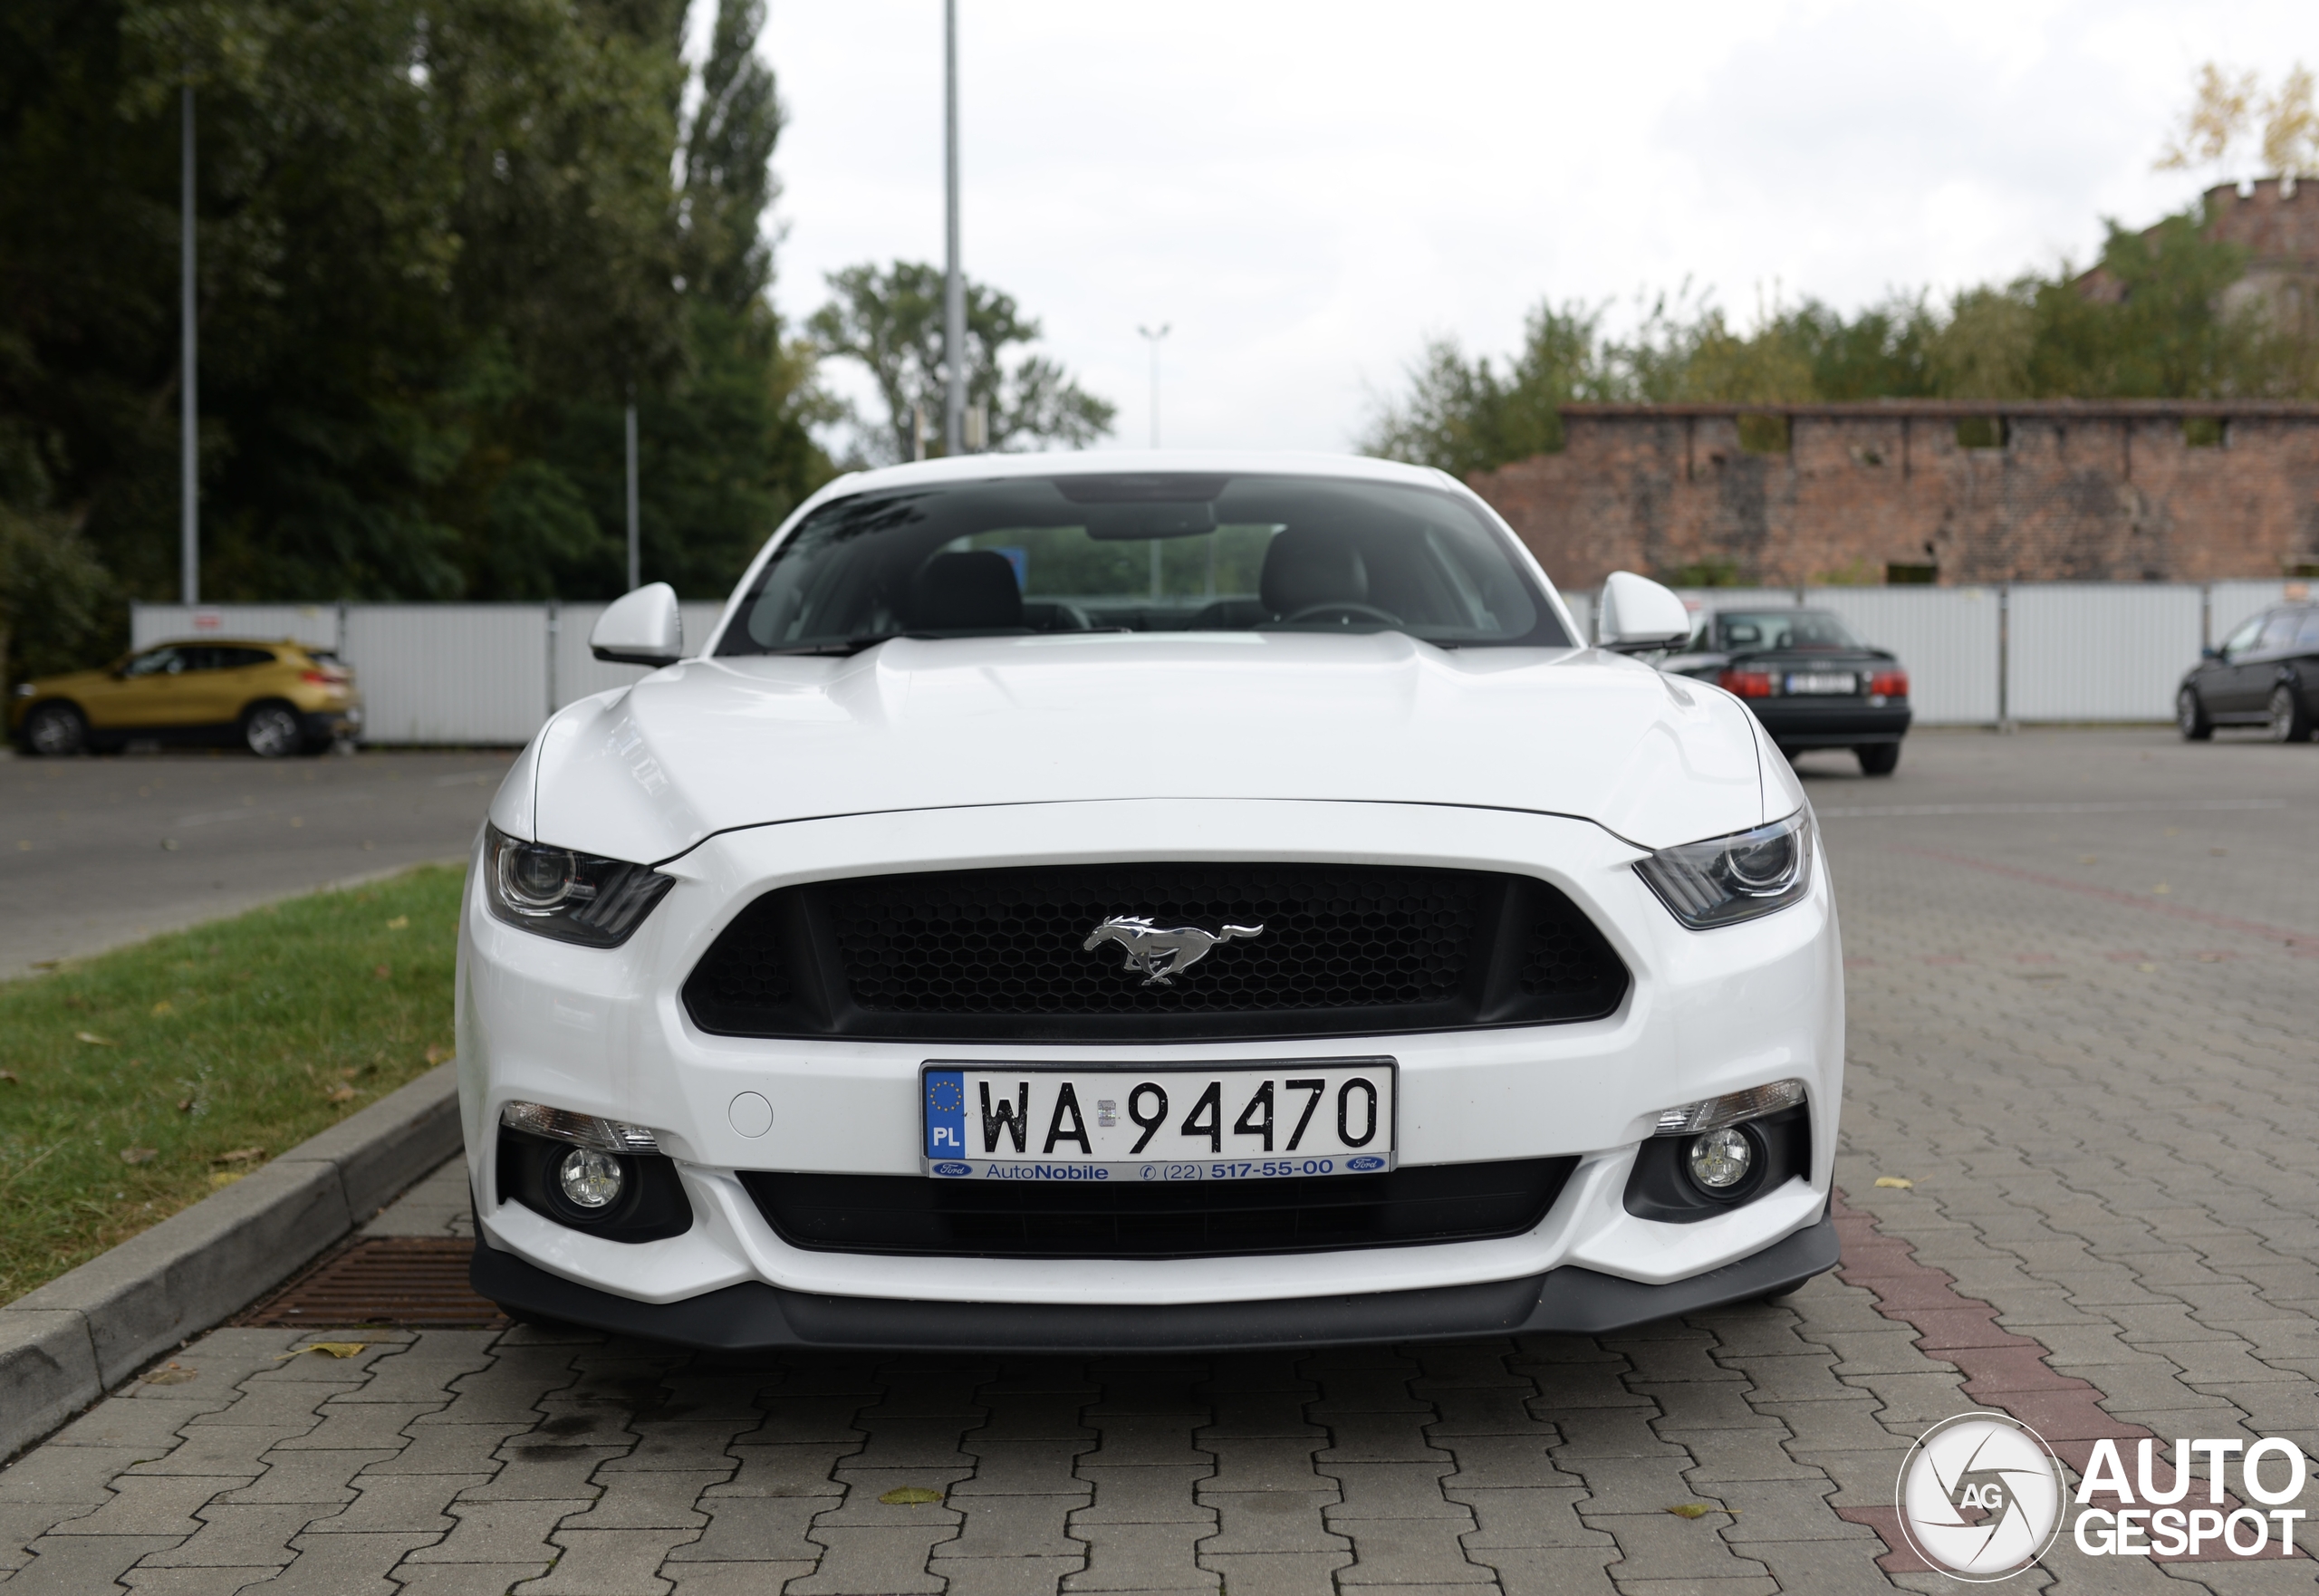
x,y
953,1168
1365,1163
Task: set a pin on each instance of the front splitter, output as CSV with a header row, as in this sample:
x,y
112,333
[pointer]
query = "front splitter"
x,y
754,1316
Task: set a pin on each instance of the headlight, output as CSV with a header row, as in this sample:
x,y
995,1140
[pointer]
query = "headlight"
x,y
572,896
1725,879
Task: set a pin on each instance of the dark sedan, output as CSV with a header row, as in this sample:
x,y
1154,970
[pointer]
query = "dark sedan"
x,y
1810,682
2265,674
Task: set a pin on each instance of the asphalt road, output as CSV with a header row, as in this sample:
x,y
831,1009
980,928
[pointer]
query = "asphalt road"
x,y
95,852
2083,1022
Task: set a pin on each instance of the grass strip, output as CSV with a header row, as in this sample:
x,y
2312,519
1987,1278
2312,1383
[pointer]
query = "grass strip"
x,y
137,1083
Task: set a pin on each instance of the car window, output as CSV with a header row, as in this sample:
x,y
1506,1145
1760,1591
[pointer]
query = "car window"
x,y
242,659
164,662
1150,552
2278,632
2241,640
2308,636
1783,629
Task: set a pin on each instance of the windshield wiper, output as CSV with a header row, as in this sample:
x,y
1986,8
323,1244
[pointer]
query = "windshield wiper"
x,y
851,646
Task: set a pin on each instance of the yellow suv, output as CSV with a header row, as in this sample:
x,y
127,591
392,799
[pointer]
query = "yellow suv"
x,y
273,698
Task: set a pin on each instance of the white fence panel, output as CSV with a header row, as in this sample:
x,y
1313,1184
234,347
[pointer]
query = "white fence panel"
x,y
2230,603
314,625
449,673
2111,651
1946,639
1582,611
579,673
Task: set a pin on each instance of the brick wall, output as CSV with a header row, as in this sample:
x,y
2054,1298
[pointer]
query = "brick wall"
x,y
2108,492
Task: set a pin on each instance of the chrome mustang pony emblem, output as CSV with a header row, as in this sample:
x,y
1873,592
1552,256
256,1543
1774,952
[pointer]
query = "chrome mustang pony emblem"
x,y
1160,956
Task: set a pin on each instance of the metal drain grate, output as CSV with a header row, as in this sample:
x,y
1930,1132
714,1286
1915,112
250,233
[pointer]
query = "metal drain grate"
x,y
410,1280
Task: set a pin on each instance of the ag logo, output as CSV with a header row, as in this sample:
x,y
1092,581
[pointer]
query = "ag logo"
x,y
1980,1496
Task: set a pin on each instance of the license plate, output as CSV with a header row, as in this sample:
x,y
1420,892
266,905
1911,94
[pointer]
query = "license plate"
x,y
1829,681
1272,1122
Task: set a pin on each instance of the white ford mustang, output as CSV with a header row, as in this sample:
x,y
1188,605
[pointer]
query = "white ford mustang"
x,y
1175,900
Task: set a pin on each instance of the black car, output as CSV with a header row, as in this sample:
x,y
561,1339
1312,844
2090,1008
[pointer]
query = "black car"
x,y
1810,681
2265,674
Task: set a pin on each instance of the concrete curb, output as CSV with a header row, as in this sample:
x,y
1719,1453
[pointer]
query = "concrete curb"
x,y
64,1345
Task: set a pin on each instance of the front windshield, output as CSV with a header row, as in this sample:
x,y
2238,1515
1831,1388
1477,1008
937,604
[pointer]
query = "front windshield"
x,y
1781,630
1156,552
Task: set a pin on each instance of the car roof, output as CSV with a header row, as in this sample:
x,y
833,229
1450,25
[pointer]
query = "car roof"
x,y
226,643
1143,462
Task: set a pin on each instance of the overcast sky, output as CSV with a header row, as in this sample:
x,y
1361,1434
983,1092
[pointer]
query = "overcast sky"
x,y
1304,192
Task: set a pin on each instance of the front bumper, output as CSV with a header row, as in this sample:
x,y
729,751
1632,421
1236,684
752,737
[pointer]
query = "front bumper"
x,y
603,1031
755,1317
1851,723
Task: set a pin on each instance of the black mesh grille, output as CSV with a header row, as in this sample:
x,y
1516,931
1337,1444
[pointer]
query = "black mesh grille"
x,y
1004,1219
988,955
980,943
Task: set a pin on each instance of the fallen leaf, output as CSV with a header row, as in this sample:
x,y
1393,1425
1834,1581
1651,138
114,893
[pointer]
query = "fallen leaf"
x,y
2089,859
910,1497
383,972
1894,1183
1692,1509
173,1375
9,1076
220,1179
170,844
185,1105
165,1007
436,1053
2162,888
340,1093
93,1040
401,922
2147,969
240,1155
328,1348
139,1155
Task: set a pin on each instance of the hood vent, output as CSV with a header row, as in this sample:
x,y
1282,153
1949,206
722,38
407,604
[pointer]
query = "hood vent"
x,y
1002,954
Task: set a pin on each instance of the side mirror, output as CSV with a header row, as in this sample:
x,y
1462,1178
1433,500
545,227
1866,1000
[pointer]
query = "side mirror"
x,y
1636,613
643,627
2210,653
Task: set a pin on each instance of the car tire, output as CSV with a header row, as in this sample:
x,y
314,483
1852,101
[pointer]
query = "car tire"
x,y
2190,716
1879,759
2288,722
272,730
57,731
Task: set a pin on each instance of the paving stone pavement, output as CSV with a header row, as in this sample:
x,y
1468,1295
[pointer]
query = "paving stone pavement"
x,y
2083,1023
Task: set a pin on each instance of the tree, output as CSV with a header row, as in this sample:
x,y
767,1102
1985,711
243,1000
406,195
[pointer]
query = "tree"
x,y
1460,416
2227,107
892,322
441,242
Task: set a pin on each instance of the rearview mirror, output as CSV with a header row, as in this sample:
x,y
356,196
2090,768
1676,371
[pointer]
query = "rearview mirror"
x,y
643,627
1636,613
2210,653
1120,523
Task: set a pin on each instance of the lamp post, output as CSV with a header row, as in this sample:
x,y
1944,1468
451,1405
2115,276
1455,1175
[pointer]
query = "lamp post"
x,y
1153,339
635,530
188,403
954,287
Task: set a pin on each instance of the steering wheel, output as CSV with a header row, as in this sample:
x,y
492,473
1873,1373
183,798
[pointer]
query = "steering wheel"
x,y
1346,608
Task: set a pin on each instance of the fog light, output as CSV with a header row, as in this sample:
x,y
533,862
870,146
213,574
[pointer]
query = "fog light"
x,y
1720,1159
594,1180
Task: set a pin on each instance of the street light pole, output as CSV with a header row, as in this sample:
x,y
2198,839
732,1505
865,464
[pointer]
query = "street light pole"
x,y
954,287
635,536
188,406
1153,339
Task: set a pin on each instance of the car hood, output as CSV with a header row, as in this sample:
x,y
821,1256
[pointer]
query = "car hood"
x,y
707,745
